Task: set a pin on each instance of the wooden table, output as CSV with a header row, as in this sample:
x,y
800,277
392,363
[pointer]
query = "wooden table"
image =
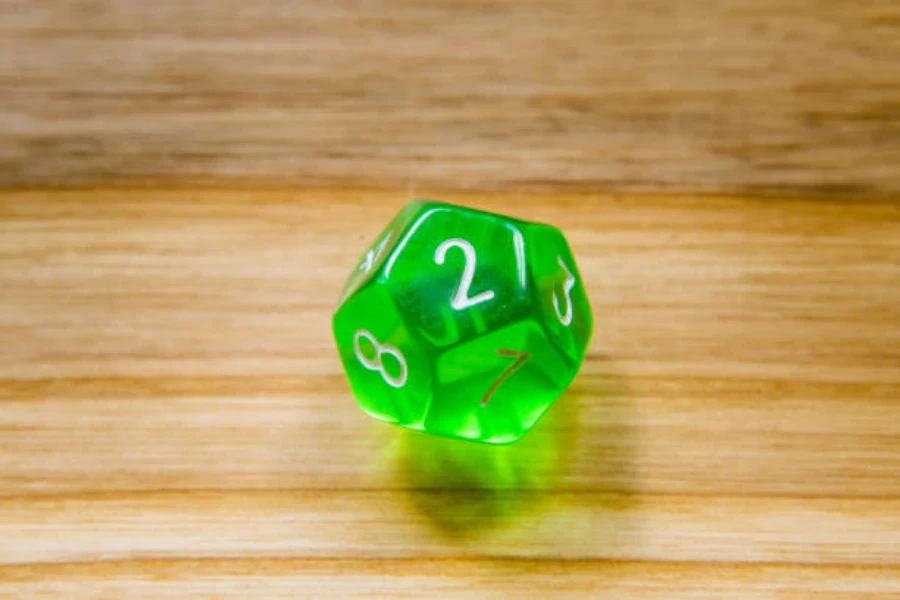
x,y
174,421
184,187
736,96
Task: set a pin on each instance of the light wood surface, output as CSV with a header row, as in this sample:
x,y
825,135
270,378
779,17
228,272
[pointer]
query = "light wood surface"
x,y
174,421
694,95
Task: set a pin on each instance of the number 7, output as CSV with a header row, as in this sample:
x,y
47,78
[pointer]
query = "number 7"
x,y
520,357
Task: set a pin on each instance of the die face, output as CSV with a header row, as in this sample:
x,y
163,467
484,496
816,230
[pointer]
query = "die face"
x,y
391,373
458,274
495,387
558,292
372,261
459,323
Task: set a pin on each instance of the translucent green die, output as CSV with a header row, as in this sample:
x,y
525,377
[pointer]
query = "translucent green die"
x,y
463,323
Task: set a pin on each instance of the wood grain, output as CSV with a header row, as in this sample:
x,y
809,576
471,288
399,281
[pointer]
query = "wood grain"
x,y
174,421
691,95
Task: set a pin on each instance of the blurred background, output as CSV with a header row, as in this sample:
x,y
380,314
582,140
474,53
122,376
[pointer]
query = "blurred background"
x,y
682,95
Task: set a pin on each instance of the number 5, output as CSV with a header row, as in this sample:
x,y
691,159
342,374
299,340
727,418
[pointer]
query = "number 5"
x,y
565,319
373,254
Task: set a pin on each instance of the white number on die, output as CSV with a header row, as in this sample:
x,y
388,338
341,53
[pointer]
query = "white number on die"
x,y
377,363
461,299
373,254
565,318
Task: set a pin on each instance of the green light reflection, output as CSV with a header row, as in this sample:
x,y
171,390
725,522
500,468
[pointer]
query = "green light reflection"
x,y
466,488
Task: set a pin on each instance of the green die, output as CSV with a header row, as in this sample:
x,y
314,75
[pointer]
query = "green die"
x,y
463,323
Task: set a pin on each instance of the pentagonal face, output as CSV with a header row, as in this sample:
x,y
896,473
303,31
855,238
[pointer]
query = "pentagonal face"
x,y
390,373
373,259
495,387
458,274
558,292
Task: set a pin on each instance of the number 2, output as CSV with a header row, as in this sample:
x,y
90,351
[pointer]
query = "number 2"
x,y
461,298
565,319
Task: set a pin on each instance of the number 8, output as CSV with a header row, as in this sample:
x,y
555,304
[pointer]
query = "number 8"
x,y
377,364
